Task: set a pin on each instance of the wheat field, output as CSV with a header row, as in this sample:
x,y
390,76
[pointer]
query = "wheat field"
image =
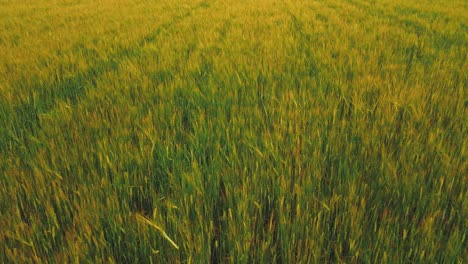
x,y
219,131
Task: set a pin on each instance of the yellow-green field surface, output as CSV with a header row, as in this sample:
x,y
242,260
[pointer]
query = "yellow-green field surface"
x,y
222,131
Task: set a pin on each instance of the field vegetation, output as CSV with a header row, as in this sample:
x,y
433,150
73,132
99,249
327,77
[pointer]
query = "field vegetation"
x,y
198,131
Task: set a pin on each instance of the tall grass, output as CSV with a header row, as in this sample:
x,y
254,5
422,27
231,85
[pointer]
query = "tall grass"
x,y
233,131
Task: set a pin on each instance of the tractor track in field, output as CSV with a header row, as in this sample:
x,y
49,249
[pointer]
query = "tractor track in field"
x,y
71,89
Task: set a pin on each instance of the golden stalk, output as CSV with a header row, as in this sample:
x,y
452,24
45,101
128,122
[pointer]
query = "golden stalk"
x,y
145,220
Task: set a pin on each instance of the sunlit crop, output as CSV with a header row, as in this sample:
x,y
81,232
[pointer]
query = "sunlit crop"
x,y
268,131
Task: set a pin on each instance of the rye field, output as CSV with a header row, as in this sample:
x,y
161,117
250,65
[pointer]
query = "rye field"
x,y
221,131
